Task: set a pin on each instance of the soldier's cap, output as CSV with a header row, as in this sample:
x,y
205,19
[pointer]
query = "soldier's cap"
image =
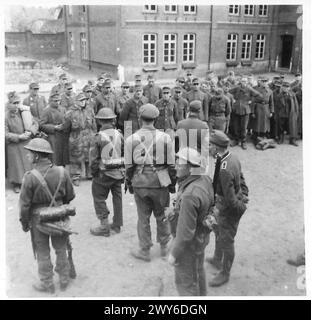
x,y
68,85
219,91
219,138
278,83
190,156
148,111
181,79
87,88
281,76
138,88
150,77
105,113
39,145
298,74
55,96
285,84
195,106
178,89
107,83
166,89
125,84
11,94
34,85
63,76
107,75
195,80
80,96
263,79
16,98
137,77
100,77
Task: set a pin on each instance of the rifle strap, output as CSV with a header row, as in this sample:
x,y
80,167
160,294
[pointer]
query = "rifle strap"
x,y
216,172
43,183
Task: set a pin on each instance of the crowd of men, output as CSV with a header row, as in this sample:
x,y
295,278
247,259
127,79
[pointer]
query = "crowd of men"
x,y
133,137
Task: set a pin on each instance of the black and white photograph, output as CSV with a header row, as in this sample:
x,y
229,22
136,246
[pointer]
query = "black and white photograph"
x,y
154,150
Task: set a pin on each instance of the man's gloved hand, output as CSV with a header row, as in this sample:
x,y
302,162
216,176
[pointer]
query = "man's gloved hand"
x,y
25,226
171,189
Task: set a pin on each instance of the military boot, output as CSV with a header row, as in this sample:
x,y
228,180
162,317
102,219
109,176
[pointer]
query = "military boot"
x,y
102,230
163,251
293,142
141,254
220,279
243,145
299,261
214,262
113,227
42,287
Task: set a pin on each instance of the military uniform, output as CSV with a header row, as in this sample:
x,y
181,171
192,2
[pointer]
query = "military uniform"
x,y
33,197
219,111
182,103
105,101
108,145
168,116
231,196
36,104
80,122
199,95
194,199
147,152
152,93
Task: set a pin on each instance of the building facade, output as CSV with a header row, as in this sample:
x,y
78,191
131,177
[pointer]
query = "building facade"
x,y
167,39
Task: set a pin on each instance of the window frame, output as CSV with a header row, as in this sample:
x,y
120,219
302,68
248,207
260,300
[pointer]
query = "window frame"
x,y
247,41
248,7
236,47
70,10
194,48
149,49
170,9
169,62
149,10
262,15
71,41
258,41
83,47
232,13
190,12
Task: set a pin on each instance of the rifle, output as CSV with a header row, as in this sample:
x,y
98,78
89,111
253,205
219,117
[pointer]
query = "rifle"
x,y
72,271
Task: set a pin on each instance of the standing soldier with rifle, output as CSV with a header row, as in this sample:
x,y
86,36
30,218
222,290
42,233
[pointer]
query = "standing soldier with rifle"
x,y
46,187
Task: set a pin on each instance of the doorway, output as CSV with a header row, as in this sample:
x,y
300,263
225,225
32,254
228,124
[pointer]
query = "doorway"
x,y
287,48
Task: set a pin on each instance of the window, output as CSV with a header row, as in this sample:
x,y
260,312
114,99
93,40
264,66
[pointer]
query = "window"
x,y
170,9
83,46
232,47
71,42
234,10
190,9
70,10
149,48
263,11
189,47
246,47
260,47
150,8
169,45
83,9
249,10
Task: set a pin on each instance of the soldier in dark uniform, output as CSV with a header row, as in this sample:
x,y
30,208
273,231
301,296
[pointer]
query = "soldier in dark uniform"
x,y
60,87
226,88
180,82
32,198
36,102
106,99
107,172
196,94
137,82
188,81
218,111
99,86
296,87
182,103
168,117
194,200
150,175
231,196
90,101
130,111
67,99
151,91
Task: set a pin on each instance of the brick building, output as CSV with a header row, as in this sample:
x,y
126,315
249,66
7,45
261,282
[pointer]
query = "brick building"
x,y
167,39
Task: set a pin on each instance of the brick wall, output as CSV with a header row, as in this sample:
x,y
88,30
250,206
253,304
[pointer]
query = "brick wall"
x,y
32,45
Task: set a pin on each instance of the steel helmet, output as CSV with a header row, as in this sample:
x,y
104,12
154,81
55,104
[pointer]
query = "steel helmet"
x,y
39,145
105,113
190,155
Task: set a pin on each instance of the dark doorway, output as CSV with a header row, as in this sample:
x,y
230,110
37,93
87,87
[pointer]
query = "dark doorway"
x,y
287,48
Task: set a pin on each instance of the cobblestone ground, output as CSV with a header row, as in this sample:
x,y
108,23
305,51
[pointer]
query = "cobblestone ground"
x,y
270,232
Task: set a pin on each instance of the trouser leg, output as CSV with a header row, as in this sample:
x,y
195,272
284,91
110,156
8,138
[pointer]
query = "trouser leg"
x,y
100,193
236,126
45,267
62,265
117,203
243,126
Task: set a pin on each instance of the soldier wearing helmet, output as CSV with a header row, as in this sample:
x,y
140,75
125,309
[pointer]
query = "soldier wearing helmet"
x,y
108,173
194,200
81,125
231,198
32,198
150,176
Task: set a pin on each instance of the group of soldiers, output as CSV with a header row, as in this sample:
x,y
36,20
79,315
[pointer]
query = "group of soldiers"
x,y
133,138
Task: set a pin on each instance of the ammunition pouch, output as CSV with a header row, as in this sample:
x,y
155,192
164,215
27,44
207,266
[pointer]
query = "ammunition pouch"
x,y
50,214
